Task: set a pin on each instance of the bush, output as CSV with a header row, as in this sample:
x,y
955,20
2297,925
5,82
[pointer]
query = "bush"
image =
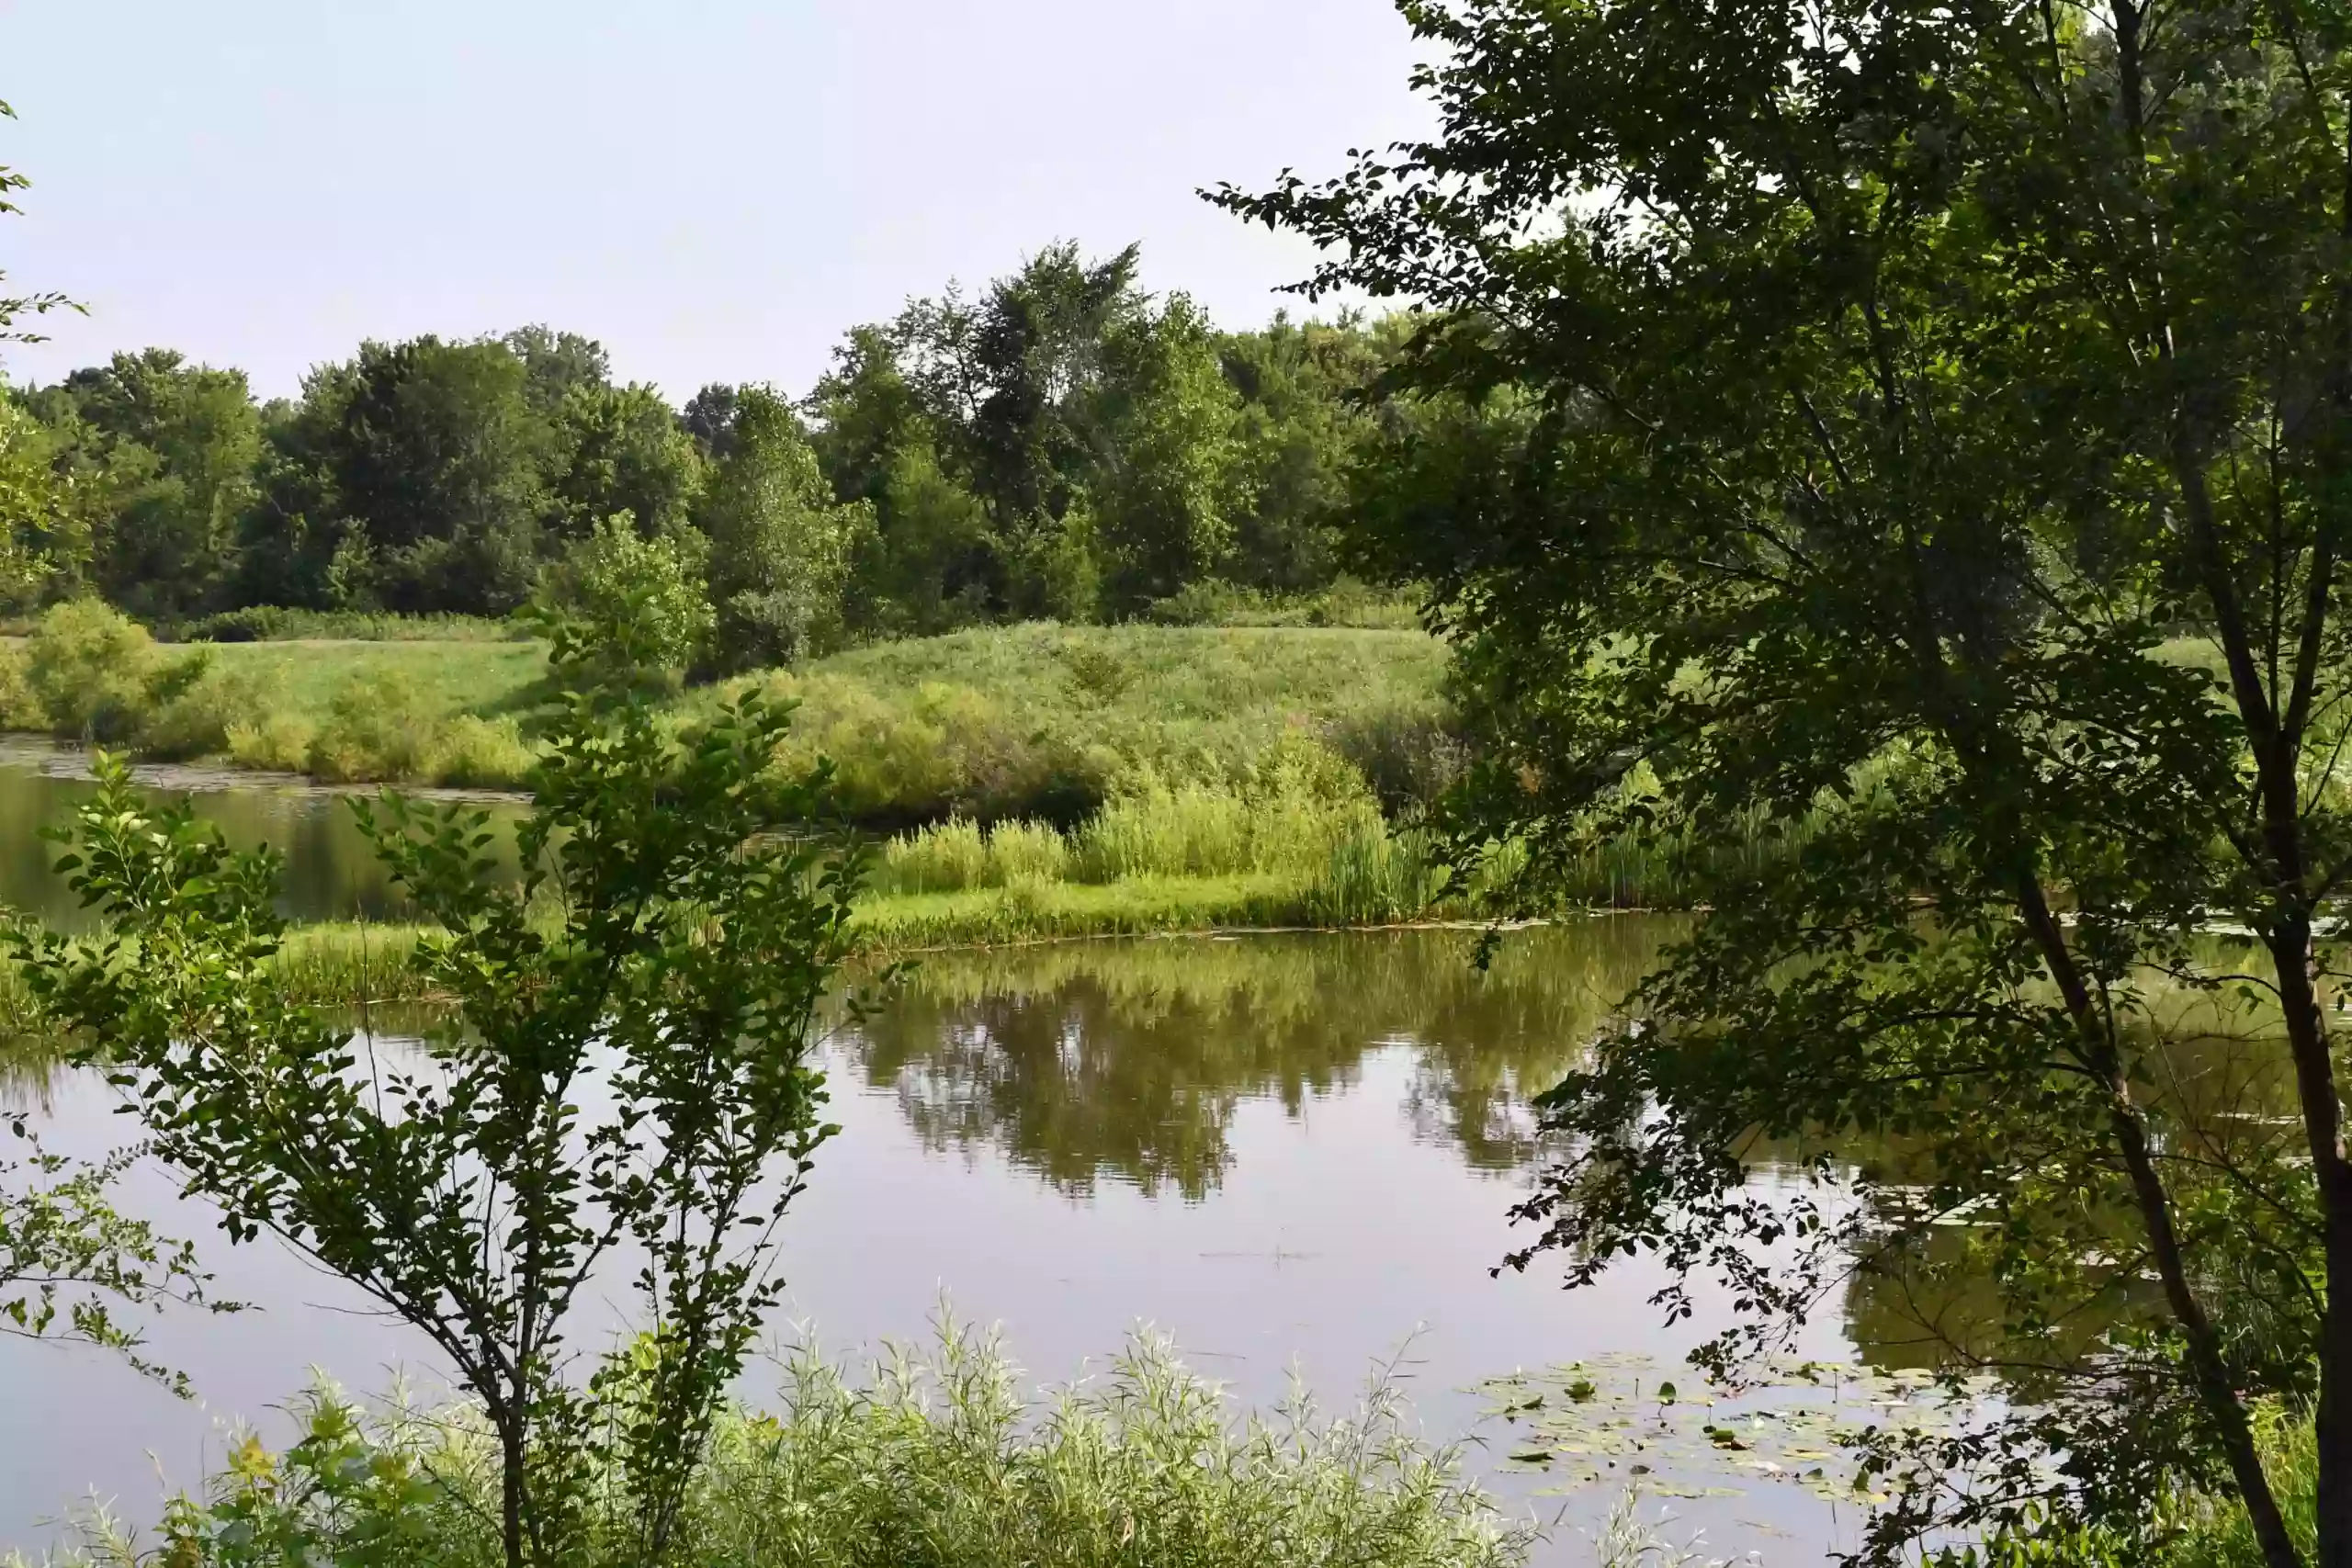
x,y
377,729
479,753
652,587
198,717
938,751
20,705
380,728
1346,603
95,672
1409,755
278,741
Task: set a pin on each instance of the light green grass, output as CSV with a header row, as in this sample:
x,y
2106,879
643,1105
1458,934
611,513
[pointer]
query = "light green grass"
x,y
1042,720
1035,721
485,679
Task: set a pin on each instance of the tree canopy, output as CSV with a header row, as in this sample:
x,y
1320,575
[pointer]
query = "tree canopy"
x,y
1062,444
1914,438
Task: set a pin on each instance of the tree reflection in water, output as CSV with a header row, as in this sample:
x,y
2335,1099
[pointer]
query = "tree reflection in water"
x,y
1126,1061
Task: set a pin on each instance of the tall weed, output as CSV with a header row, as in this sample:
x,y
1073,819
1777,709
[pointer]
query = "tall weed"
x,y
942,1459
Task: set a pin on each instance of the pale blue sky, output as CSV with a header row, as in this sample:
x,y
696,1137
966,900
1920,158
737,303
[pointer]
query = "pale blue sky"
x,y
714,188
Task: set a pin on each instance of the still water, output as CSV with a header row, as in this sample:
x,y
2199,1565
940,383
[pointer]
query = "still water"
x,y
331,873
1294,1154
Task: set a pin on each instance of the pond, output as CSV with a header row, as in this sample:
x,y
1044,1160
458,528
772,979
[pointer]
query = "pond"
x,y
330,872
1293,1153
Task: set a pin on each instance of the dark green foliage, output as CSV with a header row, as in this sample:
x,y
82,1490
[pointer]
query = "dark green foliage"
x,y
780,548
173,448
1064,445
441,452
1303,425
620,449
625,1083
1920,435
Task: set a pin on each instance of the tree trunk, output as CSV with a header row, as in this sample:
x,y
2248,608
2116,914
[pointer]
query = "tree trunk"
x,y
2208,1368
511,1456
2315,1085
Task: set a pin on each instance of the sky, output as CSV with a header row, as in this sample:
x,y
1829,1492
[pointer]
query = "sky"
x,y
715,189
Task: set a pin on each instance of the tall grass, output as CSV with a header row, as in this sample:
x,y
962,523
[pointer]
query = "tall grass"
x,y
1284,814
2214,1533
1037,722
274,623
943,1459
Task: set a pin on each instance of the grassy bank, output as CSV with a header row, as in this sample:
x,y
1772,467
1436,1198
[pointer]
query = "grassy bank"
x,y
1035,721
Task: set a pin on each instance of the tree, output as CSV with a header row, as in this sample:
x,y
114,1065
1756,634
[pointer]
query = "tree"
x,y
621,449
13,307
1934,462
441,453
617,575
45,526
780,546
175,446
932,559
662,961
558,366
296,544
1012,390
68,1257
1166,474
1300,429
709,418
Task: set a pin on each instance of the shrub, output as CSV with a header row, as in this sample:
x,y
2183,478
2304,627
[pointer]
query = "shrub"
x,y
275,622
1409,755
940,751
94,670
479,753
279,741
675,957
21,708
377,729
653,586
197,718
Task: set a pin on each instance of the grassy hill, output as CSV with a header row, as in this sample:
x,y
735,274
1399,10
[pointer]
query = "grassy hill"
x,y
1027,721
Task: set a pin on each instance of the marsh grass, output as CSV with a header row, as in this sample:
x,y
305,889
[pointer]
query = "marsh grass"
x,y
1038,722
943,1459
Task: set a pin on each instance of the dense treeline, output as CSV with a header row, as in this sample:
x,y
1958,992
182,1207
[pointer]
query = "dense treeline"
x,y
1064,445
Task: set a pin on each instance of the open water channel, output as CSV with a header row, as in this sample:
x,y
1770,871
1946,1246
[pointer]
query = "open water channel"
x,y
1295,1154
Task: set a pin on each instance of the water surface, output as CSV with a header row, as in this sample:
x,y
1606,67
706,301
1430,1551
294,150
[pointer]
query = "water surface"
x,y
1294,1154
330,871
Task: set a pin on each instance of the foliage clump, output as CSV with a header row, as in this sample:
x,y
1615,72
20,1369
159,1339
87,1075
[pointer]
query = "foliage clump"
x,y
662,959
